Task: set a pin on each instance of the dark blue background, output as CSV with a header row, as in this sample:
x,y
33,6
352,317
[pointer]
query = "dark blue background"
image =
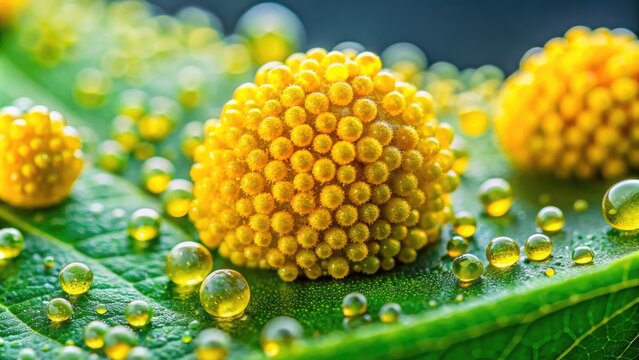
x,y
464,32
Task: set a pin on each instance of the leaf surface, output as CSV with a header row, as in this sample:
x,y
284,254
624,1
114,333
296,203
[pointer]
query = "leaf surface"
x,y
583,311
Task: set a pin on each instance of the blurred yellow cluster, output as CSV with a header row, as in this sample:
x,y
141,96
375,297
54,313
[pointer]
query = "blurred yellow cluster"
x,y
325,165
40,157
573,107
9,9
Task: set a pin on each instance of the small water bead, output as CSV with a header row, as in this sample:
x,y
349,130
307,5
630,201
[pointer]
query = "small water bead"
x,y
473,121
48,262
124,131
580,205
462,157
496,195
144,224
187,337
139,353
465,224
138,313
27,354
280,334
502,252
212,344
467,267
456,246
112,157
195,326
101,309
188,263
583,254
390,313
11,243
538,247
354,304
225,294
71,353
550,272
118,342
620,205
177,198
191,137
94,334
550,219
459,298
158,124
75,278
157,172
59,310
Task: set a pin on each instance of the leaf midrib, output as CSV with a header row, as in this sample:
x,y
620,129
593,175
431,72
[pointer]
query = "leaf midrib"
x,y
451,339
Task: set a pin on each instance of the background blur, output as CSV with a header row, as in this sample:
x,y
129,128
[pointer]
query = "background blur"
x,y
466,33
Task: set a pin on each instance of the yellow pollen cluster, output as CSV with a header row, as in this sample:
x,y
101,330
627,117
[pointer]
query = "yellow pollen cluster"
x,y
40,157
326,165
573,107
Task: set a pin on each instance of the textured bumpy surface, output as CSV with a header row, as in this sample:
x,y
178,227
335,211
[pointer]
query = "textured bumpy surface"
x,y
583,311
40,157
573,107
326,165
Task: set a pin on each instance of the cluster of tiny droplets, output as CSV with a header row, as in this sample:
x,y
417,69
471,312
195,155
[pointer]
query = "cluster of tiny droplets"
x,y
325,165
573,107
40,157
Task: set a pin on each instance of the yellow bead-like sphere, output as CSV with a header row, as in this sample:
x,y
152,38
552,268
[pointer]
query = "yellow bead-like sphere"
x,y
502,252
354,304
40,157
496,196
312,165
75,278
456,246
59,310
177,198
144,224
467,268
118,342
225,294
94,334
273,32
583,254
157,172
188,263
550,219
572,108
280,334
620,205
11,243
390,313
538,247
138,313
212,344
464,224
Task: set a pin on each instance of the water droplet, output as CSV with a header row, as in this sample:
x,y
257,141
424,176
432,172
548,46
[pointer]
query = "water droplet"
x,y
96,208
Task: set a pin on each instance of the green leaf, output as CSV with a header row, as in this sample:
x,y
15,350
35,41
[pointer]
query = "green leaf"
x,y
583,311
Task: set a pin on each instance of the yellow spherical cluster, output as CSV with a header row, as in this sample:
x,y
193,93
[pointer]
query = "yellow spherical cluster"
x,y
326,165
573,107
40,157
